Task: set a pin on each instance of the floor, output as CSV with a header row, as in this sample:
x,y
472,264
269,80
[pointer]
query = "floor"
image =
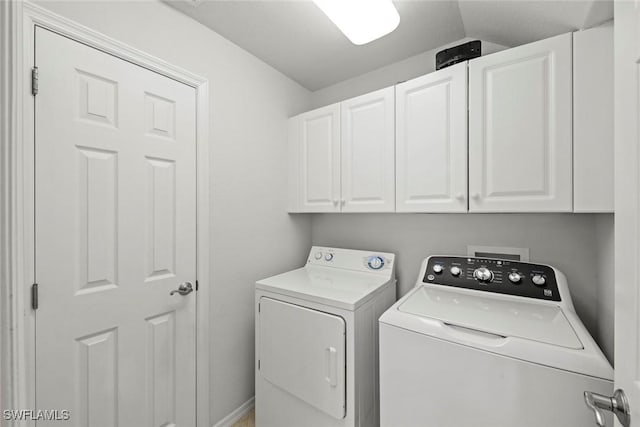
x,y
248,420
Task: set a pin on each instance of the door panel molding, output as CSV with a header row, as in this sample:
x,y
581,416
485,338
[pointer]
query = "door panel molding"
x,y
17,320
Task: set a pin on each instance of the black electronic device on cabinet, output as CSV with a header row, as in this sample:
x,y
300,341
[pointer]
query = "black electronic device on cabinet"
x,y
456,54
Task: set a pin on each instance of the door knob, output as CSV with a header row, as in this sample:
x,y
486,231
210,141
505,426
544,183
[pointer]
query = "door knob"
x,y
184,289
618,404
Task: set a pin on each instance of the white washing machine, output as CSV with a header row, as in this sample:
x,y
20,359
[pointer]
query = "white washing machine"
x,y
488,343
317,340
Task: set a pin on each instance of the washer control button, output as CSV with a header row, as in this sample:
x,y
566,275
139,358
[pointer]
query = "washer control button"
x,y
376,262
455,271
328,257
318,255
438,268
515,278
483,274
539,280
431,277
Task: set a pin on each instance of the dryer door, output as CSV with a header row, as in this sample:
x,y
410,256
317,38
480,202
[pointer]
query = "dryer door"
x,y
303,352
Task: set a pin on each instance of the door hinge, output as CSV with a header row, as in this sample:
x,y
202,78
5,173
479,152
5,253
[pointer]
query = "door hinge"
x,y
34,296
258,364
258,307
197,286
34,81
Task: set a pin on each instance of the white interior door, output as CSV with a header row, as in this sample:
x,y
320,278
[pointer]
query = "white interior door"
x,y
520,129
368,152
115,233
310,366
431,142
627,208
319,147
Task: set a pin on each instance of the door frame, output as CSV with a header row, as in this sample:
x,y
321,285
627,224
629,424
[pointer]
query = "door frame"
x,y
17,127
627,203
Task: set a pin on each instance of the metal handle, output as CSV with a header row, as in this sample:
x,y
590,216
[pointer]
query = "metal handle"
x,y
469,335
618,404
184,289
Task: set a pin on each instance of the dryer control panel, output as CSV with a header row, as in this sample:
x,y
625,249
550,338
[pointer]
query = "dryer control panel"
x,y
493,275
381,263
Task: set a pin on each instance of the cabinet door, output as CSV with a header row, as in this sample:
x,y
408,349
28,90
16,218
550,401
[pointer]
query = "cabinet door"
x,y
315,137
368,164
593,120
431,142
520,129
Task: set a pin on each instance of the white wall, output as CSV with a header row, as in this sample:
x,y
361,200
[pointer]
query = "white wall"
x,y
570,242
409,68
605,283
252,235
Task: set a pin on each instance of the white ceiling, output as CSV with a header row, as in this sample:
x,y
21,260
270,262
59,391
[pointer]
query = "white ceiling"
x,y
295,37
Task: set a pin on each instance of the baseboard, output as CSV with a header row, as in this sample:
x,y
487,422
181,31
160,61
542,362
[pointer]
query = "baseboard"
x,y
237,413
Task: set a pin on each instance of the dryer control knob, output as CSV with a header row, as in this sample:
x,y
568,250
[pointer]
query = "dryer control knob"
x,y
539,280
455,271
438,268
515,278
328,257
318,255
483,274
376,262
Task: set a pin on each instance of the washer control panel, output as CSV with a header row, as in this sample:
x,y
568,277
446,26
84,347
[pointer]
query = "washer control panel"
x,y
493,275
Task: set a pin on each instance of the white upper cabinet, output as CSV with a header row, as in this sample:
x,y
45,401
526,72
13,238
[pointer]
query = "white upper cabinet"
x,y
520,137
314,150
527,129
431,142
368,152
593,120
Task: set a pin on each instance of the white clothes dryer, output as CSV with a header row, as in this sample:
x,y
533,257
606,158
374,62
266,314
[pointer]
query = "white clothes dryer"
x,y
488,343
317,340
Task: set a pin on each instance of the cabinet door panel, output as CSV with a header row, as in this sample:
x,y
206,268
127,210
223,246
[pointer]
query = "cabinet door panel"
x,y
368,153
593,119
520,104
318,143
431,142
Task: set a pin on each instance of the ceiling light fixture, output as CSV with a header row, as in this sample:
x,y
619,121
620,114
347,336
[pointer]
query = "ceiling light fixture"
x,y
362,21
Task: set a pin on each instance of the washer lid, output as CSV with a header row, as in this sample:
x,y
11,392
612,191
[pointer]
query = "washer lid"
x,y
506,317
